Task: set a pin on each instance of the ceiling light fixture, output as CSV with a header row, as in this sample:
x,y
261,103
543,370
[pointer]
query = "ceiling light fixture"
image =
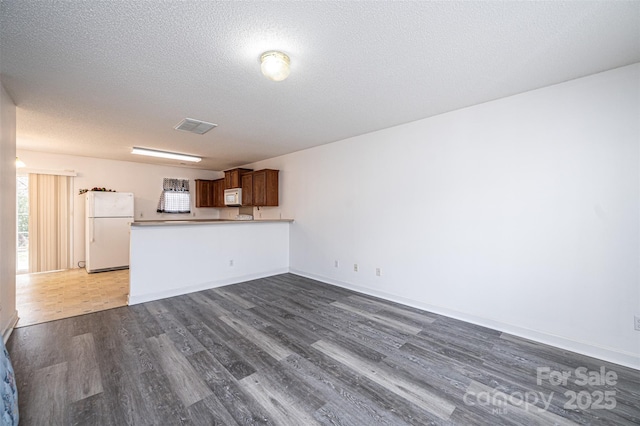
x,y
19,163
275,65
165,154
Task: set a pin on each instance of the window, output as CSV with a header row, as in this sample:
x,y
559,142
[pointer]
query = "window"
x,y
175,197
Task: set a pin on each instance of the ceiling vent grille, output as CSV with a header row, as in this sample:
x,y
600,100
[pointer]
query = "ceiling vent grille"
x,y
195,126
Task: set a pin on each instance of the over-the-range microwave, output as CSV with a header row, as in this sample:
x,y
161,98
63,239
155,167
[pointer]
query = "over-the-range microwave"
x,y
233,197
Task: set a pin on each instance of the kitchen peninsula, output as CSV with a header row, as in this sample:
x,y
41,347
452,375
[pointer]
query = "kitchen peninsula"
x,y
173,257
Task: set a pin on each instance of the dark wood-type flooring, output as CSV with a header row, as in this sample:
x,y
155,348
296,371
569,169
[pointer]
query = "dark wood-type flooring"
x,y
287,350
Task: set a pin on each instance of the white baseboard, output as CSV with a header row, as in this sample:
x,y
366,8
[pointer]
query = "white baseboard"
x,y
149,297
7,328
626,359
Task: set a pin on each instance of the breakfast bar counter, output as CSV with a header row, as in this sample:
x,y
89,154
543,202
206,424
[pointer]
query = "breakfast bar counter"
x,y
173,257
202,222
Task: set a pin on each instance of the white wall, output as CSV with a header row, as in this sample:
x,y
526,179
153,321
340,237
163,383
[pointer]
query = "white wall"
x,y
171,260
144,180
8,314
521,214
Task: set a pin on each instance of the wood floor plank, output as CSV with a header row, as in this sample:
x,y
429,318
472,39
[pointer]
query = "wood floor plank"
x,y
233,297
84,375
269,345
243,409
281,406
257,290
125,400
168,408
48,400
210,411
90,411
173,329
379,318
290,350
352,326
229,358
146,322
280,318
212,306
185,382
384,305
405,389
52,339
367,390
235,310
345,404
521,409
345,340
238,354
314,287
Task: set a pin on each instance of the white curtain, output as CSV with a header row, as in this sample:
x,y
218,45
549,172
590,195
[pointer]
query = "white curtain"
x,y
49,222
175,196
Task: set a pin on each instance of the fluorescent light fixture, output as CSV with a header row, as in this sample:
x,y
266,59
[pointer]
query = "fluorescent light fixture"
x,y
165,154
19,163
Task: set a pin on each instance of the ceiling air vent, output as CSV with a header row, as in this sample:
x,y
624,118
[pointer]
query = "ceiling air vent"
x,y
195,126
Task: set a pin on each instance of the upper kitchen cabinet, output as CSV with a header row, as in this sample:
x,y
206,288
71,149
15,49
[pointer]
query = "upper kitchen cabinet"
x,y
233,178
210,193
247,189
265,187
218,192
204,193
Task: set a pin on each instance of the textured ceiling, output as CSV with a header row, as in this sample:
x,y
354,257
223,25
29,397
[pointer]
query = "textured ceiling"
x,y
97,78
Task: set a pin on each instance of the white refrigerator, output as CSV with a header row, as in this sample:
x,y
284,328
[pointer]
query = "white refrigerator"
x,y
108,219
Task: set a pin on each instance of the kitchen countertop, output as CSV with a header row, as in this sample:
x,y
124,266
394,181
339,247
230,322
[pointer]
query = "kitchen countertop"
x,y
202,222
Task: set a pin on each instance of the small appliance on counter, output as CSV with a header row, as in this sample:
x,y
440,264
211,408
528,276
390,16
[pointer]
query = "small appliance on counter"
x,y
244,217
108,218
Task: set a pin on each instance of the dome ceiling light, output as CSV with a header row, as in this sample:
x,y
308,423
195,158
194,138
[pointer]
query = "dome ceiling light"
x,y
275,65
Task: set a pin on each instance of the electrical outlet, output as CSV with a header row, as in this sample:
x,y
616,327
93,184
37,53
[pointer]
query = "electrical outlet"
x,y
355,267
378,273
231,262
636,323
336,263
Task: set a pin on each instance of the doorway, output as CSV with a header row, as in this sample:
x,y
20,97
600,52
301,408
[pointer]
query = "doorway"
x,y
47,286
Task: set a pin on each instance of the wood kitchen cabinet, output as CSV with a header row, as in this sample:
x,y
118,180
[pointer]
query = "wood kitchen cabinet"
x,y
233,178
247,189
218,186
210,193
265,187
204,193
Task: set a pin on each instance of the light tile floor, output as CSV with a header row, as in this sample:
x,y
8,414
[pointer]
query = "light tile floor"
x,y
50,296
